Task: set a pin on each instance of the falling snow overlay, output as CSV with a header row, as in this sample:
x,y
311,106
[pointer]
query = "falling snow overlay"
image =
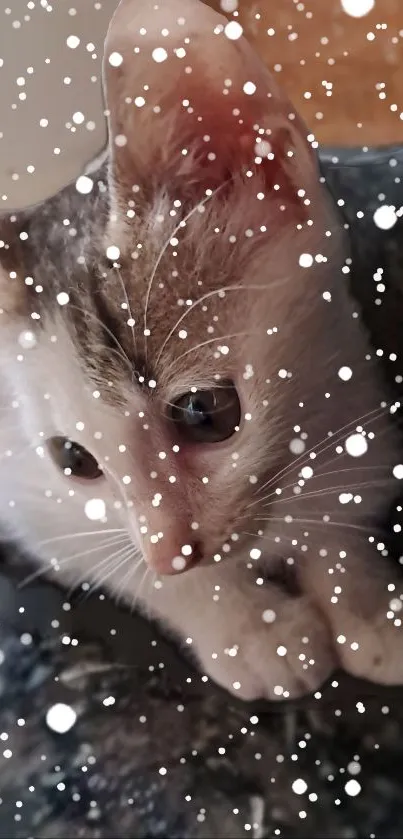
x,y
201,385
329,766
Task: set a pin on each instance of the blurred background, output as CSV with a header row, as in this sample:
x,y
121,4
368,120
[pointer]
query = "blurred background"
x,y
342,72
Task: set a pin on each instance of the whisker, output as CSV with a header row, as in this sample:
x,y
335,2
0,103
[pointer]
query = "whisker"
x,y
116,567
35,575
176,229
121,592
321,524
150,580
48,567
326,491
373,468
331,441
113,560
205,344
81,535
336,456
210,294
110,543
273,537
132,321
318,476
137,596
119,349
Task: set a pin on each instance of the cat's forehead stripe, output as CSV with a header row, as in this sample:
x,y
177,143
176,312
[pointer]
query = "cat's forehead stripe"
x,y
58,276
105,339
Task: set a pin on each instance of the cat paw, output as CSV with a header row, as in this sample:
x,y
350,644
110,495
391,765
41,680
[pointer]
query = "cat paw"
x,y
365,618
372,650
273,653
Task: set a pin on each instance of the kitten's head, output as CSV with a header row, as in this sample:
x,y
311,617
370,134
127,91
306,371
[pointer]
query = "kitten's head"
x,y
152,317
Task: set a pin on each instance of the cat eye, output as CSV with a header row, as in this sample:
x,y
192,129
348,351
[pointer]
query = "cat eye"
x,y
68,455
207,416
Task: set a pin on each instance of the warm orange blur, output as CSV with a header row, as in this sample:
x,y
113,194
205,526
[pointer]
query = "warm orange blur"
x,y
345,75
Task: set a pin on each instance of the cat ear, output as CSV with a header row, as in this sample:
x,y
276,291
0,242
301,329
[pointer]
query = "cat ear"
x,y
191,105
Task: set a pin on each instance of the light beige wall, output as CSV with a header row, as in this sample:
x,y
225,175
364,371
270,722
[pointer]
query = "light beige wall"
x,y
330,46
37,38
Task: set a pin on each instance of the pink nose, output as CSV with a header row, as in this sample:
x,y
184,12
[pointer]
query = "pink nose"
x,y
167,558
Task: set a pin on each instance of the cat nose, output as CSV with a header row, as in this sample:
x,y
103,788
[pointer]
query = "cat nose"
x,y
168,557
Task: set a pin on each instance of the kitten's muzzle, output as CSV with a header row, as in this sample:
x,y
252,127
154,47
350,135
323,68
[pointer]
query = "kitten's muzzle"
x,y
165,533
167,559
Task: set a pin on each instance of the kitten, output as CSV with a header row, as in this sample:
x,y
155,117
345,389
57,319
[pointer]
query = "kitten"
x,y
190,412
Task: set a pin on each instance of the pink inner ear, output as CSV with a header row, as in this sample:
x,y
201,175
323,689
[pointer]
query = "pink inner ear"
x,y
201,116
218,132
202,145
226,143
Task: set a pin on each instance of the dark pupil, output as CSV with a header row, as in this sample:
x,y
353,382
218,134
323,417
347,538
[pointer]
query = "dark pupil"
x,y
70,456
207,416
197,411
73,456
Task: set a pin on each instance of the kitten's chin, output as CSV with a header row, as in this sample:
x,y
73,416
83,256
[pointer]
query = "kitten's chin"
x,y
199,556
229,550
179,567
234,552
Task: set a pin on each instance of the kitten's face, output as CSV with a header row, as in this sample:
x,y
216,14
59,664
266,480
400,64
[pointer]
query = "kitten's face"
x,y
157,394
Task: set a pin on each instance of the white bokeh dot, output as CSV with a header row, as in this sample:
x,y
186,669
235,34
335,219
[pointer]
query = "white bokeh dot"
x,y
113,253
179,563
61,718
297,446
345,373
27,339
249,88
84,184
73,42
233,30
305,260
115,59
356,445
345,497
95,509
385,217
352,788
159,55
357,8
62,298
268,616
229,6
299,786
